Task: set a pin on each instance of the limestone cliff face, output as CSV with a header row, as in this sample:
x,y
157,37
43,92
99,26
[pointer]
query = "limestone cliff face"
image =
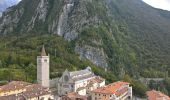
x,y
66,18
106,32
96,55
40,14
9,21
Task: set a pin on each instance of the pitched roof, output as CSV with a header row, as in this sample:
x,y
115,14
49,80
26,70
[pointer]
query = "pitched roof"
x,y
12,97
35,90
155,95
97,79
14,85
80,73
83,77
74,96
43,52
30,90
112,88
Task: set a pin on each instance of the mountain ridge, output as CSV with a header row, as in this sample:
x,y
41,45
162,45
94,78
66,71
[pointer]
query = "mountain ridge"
x,y
121,36
4,4
69,26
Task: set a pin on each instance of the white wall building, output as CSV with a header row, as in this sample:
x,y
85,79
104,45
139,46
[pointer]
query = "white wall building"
x,y
115,91
79,81
43,68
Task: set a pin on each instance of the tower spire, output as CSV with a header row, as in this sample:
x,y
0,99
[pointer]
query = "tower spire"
x,y
43,52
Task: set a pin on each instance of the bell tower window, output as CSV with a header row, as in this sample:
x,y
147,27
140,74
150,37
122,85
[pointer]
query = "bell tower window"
x,y
45,60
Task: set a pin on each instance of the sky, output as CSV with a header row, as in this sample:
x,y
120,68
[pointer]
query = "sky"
x,y
7,3
161,4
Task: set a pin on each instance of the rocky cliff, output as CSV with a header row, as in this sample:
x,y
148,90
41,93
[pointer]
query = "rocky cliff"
x,y
119,33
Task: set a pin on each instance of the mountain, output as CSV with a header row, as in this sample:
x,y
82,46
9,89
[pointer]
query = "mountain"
x,y
122,36
4,4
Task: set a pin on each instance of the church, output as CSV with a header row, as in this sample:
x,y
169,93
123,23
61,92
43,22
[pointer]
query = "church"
x,y
81,82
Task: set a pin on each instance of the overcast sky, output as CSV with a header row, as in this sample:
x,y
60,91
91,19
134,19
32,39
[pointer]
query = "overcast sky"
x,y
7,3
162,4
10,1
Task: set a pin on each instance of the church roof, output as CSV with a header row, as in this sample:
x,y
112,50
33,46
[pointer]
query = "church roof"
x,y
83,77
80,73
43,52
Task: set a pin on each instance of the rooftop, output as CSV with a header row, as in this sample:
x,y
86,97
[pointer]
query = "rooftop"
x,y
112,88
86,71
12,97
155,95
97,79
14,85
31,90
83,77
35,90
74,96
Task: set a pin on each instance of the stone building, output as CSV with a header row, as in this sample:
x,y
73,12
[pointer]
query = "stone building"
x,y
81,82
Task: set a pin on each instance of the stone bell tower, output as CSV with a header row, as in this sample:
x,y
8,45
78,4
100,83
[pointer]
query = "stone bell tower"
x,y
43,68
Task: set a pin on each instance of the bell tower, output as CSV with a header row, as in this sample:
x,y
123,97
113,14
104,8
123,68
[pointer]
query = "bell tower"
x,y
43,68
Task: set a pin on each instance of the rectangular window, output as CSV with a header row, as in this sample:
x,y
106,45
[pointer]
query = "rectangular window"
x,y
45,60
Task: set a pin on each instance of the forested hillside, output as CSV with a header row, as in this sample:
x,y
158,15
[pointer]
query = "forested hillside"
x,y
127,37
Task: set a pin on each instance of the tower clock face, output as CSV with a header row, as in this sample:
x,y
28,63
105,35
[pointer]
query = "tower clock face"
x,y
66,78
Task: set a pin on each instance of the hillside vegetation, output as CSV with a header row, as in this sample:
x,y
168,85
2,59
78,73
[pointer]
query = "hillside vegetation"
x,y
127,37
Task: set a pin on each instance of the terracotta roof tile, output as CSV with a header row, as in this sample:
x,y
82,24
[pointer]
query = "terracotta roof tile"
x,y
97,79
74,96
30,90
111,88
14,85
155,95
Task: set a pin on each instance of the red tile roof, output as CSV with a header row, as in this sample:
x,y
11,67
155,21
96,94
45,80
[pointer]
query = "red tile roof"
x,y
111,88
97,79
31,90
155,95
14,85
74,96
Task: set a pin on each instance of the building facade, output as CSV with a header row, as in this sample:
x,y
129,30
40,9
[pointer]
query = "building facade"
x,y
115,91
79,82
